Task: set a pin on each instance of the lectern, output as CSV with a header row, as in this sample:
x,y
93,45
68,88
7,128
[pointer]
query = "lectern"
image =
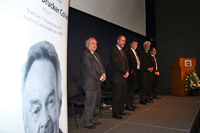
x,y
179,73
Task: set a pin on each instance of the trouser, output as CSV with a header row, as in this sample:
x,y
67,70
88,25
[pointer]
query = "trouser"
x,y
132,89
130,97
119,97
154,87
91,106
145,92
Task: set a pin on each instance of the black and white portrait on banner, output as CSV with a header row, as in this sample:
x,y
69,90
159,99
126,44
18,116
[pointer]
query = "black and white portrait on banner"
x,y
41,89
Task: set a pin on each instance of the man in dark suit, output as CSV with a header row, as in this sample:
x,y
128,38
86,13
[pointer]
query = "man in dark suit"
x,y
155,73
93,74
146,73
119,75
134,71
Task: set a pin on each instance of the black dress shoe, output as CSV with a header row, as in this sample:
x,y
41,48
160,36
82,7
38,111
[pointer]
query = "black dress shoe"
x,y
143,102
97,123
117,116
90,127
135,107
148,101
157,98
124,113
130,108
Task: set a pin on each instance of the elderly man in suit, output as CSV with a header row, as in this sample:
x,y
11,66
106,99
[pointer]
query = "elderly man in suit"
x,y
134,77
155,73
119,75
146,72
93,75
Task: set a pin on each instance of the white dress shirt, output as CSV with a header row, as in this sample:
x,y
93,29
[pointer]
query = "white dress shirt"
x,y
155,62
138,61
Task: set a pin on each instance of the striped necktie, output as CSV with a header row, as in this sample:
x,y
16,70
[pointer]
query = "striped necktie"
x,y
121,53
137,60
98,62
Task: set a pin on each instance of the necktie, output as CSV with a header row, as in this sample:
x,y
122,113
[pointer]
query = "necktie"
x,y
138,62
155,62
121,53
98,62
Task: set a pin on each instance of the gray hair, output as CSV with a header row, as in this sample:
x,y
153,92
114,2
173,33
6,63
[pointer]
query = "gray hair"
x,y
146,42
39,51
88,41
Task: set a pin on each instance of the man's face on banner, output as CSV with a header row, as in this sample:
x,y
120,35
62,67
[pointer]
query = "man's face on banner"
x,y
42,103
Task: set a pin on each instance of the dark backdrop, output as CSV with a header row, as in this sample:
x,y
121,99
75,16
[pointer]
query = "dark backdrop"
x,y
177,35
82,26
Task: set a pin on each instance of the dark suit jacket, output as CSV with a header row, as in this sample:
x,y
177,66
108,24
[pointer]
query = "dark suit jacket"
x,y
132,61
145,63
91,70
119,65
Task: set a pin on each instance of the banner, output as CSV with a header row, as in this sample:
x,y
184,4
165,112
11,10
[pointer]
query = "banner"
x,y
33,66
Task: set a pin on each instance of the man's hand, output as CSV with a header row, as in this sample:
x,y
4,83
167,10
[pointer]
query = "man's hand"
x,y
126,75
150,69
103,78
157,73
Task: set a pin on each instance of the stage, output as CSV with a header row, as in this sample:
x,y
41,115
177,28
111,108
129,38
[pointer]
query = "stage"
x,y
170,114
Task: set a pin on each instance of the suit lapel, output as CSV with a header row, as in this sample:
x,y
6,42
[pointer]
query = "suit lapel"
x,y
121,54
123,58
146,53
98,62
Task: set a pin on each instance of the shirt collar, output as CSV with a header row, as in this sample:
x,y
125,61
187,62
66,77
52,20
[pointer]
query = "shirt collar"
x,y
90,51
119,47
132,49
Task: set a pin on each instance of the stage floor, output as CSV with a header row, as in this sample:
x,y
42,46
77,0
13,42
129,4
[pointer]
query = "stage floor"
x,y
170,114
